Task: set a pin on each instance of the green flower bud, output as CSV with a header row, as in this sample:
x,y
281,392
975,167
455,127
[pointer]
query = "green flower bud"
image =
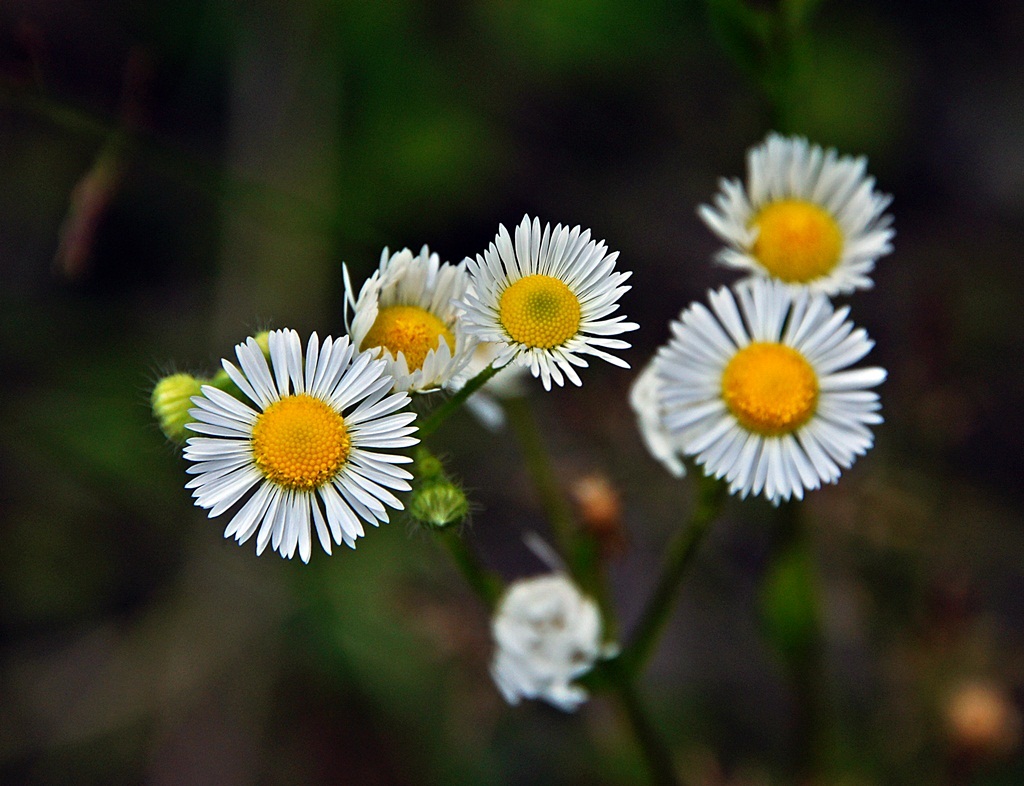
x,y
427,466
171,400
438,504
222,381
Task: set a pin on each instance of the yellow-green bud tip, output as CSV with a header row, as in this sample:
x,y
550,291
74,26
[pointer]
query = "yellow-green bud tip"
x,y
263,339
171,400
438,505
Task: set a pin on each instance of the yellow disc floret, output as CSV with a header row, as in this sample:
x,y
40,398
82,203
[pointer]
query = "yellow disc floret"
x,y
411,330
539,311
797,241
770,388
300,442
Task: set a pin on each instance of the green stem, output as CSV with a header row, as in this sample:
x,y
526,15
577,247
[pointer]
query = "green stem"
x,y
431,423
582,557
581,553
486,583
657,757
682,550
772,47
538,463
792,613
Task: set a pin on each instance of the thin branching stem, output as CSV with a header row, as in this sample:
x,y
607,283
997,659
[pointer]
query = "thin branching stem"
x,y
680,557
579,550
431,423
485,583
656,755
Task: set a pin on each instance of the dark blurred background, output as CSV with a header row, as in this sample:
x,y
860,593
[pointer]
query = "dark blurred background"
x,y
178,175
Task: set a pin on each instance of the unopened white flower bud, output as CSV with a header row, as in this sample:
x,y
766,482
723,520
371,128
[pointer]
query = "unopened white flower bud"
x,y
547,634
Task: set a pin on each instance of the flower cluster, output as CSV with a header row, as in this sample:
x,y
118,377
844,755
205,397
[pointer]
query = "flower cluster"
x,y
759,388
294,442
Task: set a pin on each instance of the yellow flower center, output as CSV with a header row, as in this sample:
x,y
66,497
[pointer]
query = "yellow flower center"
x,y
770,388
539,311
797,241
412,330
300,442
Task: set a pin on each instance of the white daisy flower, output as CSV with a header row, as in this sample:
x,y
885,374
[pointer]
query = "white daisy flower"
x,y
762,394
664,445
310,446
808,217
405,311
547,634
546,300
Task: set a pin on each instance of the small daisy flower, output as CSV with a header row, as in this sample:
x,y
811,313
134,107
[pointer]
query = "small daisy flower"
x,y
664,445
760,391
405,311
547,300
310,445
808,217
547,634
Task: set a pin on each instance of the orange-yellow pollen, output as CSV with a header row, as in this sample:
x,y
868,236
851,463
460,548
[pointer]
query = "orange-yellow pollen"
x,y
770,388
539,311
797,241
411,330
300,442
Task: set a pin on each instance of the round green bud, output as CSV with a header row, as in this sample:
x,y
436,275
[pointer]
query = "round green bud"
x,y
427,467
171,401
438,504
